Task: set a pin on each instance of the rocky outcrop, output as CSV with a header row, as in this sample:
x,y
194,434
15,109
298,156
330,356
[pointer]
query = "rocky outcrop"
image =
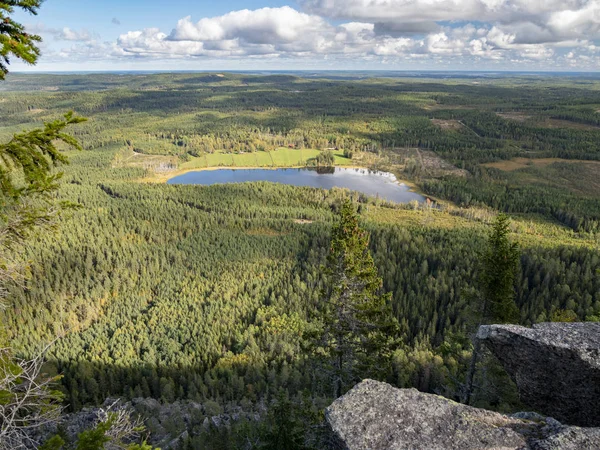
x,y
377,416
169,424
556,367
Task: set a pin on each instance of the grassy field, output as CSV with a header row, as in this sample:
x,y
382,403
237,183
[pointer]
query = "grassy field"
x,y
161,167
282,157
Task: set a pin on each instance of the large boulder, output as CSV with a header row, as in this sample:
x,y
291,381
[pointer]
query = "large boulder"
x,y
556,367
377,416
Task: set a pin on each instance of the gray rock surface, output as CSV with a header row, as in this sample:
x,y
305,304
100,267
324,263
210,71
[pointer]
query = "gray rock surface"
x,y
169,424
569,438
556,367
377,416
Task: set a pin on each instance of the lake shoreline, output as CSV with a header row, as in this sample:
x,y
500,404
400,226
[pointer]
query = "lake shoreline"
x,y
407,186
163,178
166,176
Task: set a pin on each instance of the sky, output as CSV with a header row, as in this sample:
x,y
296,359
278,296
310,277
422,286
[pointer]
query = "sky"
x,y
511,35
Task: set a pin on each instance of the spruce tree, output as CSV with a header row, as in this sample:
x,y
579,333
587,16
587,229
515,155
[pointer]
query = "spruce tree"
x,y
358,328
27,161
284,431
14,40
499,269
496,299
27,181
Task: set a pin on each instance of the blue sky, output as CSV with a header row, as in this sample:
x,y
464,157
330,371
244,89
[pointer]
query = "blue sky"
x,y
317,34
133,14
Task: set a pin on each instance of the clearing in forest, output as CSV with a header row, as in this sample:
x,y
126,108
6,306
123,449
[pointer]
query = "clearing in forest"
x,y
520,163
156,163
430,162
558,123
515,115
578,176
282,157
447,124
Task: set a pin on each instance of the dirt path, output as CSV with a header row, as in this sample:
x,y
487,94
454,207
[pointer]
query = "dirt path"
x,y
469,128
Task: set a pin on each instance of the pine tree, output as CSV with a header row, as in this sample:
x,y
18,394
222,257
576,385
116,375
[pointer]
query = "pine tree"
x,y
358,328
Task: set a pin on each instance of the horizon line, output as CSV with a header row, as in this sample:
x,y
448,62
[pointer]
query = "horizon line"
x,y
101,71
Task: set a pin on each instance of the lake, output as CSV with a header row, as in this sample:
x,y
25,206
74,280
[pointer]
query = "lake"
x,y
374,184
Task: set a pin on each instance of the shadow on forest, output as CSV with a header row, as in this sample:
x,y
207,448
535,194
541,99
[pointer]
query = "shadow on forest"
x,y
237,371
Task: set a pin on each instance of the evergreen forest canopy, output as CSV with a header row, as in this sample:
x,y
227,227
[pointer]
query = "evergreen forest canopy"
x,y
204,293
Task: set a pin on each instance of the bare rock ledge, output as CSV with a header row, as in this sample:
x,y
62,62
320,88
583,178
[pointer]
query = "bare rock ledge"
x,y
556,367
377,416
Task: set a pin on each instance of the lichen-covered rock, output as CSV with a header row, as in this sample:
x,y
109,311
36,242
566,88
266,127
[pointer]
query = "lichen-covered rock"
x,y
377,416
570,438
556,367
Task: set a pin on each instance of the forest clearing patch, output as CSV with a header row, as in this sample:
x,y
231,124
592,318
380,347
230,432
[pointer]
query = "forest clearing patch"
x,y
447,124
438,165
510,165
430,162
560,123
156,163
443,106
517,116
578,176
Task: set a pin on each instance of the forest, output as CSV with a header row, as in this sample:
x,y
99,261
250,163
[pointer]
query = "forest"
x,y
203,294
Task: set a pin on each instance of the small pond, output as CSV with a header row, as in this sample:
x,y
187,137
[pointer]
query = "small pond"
x,y
374,184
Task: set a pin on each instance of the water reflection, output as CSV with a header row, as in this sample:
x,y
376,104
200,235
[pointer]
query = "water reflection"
x,y
376,184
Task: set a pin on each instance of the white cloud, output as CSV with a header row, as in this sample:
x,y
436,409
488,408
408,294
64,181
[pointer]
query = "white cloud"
x,y
60,34
267,32
66,34
261,26
396,47
531,21
412,11
262,32
87,51
459,32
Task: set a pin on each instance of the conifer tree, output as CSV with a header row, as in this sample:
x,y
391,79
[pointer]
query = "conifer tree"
x,y
27,398
497,292
14,41
284,430
27,178
359,330
499,269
